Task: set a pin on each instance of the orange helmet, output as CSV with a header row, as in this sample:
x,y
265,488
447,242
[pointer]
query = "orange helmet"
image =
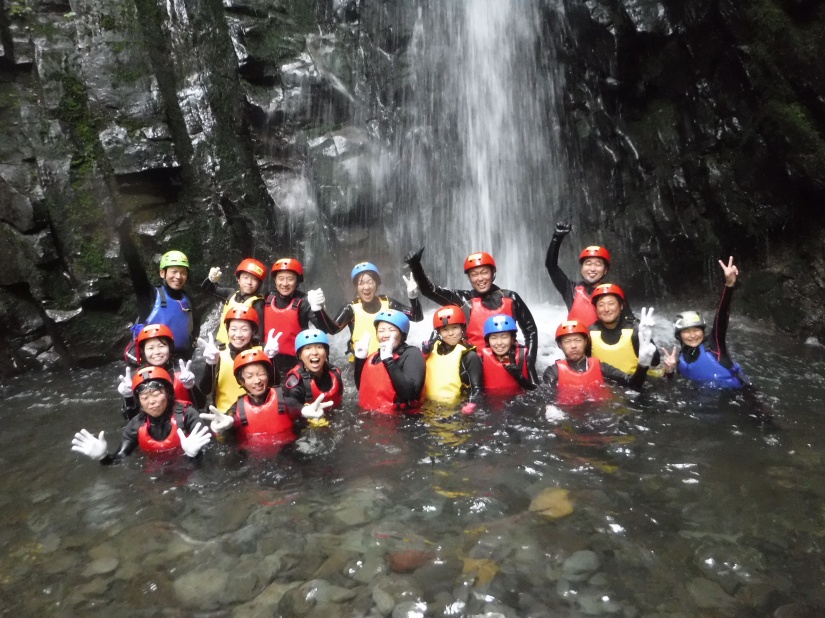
x,y
253,267
479,259
605,289
242,312
595,251
448,314
250,357
152,374
154,331
289,264
571,327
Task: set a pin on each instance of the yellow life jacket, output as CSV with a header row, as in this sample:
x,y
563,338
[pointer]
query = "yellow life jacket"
x,y
442,382
621,355
362,322
231,302
227,390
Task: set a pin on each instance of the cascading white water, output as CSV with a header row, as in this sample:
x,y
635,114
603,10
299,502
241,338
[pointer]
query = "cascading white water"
x,y
479,153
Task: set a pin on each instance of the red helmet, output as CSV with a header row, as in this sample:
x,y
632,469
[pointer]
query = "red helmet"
x,y
253,267
571,327
448,314
289,264
242,312
595,251
479,259
250,357
152,374
605,289
154,331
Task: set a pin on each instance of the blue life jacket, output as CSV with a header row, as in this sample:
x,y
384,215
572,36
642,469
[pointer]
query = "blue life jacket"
x,y
177,315
708,370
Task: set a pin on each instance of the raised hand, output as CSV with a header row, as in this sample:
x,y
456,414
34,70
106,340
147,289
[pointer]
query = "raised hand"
x,y
218,421
385,348
186,377
316,299
412,286
195,441
362,348
414,257
646,324
670,359
731,272
562,228
86,444
214,274
211,353
315,410
124,387
272,347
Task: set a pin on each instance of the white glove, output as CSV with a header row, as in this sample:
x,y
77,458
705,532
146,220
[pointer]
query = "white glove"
x,y
362,347
385,349
195,441
124,387
218,421
271,348
316,299
412,287
646,324
85,443
211,353
214,274
316,409
646,352
186,377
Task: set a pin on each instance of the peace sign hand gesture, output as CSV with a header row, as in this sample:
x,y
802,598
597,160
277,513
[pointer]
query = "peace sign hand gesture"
x,y
731,272
670,359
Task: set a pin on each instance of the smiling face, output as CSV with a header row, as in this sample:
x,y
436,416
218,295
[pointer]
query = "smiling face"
x,y
156,351
255,379
239,333
154,401
500,343
286,282
451,334
366,287
175,276
313,356
593,270
692,337
573,346
384,331
481,278
608,309
248,284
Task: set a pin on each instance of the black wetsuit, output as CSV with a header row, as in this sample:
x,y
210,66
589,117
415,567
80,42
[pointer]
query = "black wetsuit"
x,y
284,362
406,374
159,429
609,372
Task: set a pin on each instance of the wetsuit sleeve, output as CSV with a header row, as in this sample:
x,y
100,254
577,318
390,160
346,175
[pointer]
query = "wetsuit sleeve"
x,y
128,442
129,408
357,369
144,290
407,374
531,333
561,282
215,290
414,311
634,381
306,314
442,296
207,382
334,326
551,375
472,375
720,326
516,371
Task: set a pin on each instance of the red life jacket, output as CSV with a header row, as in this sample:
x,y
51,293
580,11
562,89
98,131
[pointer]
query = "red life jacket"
x,y
170,443
582,310
377,394
265,425
181,392
334,394
576,387
478,314
285,321
497,380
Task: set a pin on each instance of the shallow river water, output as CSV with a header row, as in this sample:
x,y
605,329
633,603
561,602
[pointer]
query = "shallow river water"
x,y
670,503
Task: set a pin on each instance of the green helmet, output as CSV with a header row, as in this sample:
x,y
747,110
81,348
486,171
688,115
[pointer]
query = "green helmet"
x,y
174,258
688,319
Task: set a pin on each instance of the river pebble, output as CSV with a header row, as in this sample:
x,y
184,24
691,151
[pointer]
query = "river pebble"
x,y
581,565
101,566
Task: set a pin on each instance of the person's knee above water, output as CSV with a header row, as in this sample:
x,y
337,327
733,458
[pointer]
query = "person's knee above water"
x,y
704,357
484,300
453,366
162,425
359,314
503,359
580,377
251,275
392,378
614,337
313,376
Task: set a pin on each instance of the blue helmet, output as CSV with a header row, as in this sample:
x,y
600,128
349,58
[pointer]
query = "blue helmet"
x,y
396,318
499,324
365,267
308,336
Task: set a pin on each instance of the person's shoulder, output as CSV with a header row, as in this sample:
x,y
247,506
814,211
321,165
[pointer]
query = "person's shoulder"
x,y
292,380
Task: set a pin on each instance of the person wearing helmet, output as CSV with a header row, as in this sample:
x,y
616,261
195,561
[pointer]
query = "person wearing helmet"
x,y
263,417
287,311
580,377
503,359
453,366
154,349
250,274
167,303
614,337
162,426
484,300
595,264
359,314
390,379
313,375
703,356
242,324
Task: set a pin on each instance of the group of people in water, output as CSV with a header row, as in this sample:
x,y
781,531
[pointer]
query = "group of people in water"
x,y
268,372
